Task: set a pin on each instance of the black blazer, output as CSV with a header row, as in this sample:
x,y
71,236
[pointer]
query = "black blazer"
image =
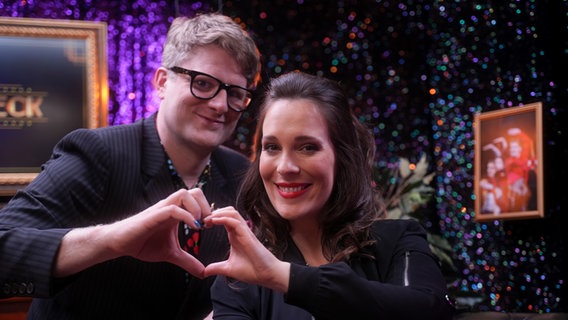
x,y
100,176
403,281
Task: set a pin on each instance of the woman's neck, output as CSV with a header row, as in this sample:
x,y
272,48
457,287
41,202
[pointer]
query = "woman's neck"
x,y
308,241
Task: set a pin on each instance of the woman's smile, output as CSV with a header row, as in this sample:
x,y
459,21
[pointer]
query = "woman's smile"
x,y
292,190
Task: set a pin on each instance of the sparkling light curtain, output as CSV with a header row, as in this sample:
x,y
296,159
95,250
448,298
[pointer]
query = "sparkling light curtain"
x,y
416,72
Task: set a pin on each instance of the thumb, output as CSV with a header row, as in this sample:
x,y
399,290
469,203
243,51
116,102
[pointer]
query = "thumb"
x,y
190,264
215,268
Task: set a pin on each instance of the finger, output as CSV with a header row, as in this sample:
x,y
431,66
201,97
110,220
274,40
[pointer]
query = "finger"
x,y
237,229
200,201
225,211
216,268
190,264
181,214
194,202
228,211
205,219
173,198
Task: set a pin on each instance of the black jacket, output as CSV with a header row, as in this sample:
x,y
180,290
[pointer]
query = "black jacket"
x,y
100,176
403,282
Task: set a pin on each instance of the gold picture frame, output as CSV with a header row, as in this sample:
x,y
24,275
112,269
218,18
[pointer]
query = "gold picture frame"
x,y
508,178
53,79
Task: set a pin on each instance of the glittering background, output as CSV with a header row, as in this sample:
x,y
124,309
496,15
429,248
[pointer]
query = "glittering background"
x,y
416,71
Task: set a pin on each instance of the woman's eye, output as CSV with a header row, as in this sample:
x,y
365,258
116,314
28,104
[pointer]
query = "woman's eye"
x,y
269,147
309,148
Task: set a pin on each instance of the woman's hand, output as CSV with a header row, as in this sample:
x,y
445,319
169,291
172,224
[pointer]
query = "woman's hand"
x,y
249,261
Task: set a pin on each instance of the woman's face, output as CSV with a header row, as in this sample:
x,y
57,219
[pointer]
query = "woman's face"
x,y
491,170
297,160
515,149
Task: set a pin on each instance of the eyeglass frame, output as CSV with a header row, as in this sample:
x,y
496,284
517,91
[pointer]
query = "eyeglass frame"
x,y
192,74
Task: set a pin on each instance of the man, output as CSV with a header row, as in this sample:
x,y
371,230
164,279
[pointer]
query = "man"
x,y
97,234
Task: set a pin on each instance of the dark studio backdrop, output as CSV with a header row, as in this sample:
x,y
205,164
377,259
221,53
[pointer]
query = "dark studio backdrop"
x,y
417,72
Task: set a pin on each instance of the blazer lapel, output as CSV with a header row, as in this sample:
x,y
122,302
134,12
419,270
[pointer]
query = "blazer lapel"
x,y
157,181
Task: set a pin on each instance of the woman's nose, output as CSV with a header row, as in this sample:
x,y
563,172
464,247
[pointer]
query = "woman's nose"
x,y
287,165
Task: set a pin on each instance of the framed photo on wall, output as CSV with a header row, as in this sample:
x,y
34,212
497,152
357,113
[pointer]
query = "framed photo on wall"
x,y
508,177
53,79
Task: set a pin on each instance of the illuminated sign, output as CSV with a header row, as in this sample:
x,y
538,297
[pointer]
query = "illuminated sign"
x,y
20,107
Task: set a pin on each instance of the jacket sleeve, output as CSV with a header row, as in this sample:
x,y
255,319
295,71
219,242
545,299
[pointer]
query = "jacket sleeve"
x,y
409,285
64,195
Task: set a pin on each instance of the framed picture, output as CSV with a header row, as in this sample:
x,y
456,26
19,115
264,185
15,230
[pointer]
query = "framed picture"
x,y
508,163
53,79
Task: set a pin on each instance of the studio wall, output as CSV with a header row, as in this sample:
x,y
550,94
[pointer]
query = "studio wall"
x,y
417,72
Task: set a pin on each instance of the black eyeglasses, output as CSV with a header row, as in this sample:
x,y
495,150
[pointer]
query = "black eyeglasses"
x,y
205,87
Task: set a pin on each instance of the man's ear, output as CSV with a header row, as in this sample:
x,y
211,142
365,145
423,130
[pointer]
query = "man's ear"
x,y
160,80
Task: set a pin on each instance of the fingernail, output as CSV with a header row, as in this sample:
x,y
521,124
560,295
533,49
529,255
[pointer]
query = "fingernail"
x,y
197,224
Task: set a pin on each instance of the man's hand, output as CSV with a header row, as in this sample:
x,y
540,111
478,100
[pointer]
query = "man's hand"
x,y
151,235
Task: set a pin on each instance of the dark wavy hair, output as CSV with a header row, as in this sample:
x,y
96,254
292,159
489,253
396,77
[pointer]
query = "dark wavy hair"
x,y
352,206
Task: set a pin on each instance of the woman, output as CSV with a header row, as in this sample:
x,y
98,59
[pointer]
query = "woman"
x,y
317,247
492,186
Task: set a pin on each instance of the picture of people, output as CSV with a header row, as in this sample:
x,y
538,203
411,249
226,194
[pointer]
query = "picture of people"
x,y
493,197
508,163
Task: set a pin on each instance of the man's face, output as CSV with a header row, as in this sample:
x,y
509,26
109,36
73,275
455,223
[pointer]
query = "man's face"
x,y
191,121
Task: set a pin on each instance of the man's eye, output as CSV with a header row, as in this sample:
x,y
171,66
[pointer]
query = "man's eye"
x,y
203,85
237,94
